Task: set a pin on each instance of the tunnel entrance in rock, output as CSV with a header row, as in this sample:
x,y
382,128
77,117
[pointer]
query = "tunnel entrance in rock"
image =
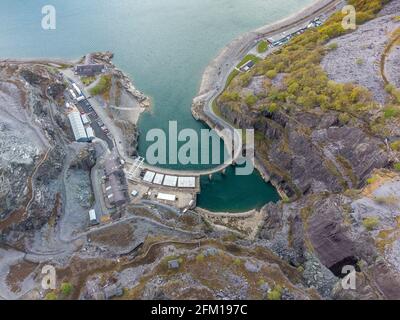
x,y
338,267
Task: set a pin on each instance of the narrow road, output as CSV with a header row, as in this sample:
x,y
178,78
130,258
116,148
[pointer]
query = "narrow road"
x,y
227,62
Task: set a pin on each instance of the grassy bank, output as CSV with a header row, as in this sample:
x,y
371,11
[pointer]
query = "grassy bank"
x,y
102,87
234,73
262,47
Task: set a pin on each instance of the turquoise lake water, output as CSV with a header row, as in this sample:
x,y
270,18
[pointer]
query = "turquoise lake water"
x,y
164,45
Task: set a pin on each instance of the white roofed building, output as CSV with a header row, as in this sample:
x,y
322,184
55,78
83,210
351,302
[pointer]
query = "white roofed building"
x,y
149,176
166,197
170,181
158,179
90,133
186,182
77,126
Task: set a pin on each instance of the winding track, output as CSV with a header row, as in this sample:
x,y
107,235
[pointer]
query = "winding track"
x,y
385,55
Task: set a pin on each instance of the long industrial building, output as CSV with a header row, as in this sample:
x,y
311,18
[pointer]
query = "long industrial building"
x,y
77,126
116,187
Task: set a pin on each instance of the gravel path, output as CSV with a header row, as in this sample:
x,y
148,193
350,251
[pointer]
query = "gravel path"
x,y
392,66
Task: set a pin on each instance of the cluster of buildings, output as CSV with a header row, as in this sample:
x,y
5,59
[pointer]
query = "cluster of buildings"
x,y
76,93
115,185
80,125
169,180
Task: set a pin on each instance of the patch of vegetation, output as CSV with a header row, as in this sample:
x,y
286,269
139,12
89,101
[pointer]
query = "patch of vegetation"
x,y
200,257
261,282
271,74
87,81
64,66
360,61
231,76
392,90
391,112
370,223
273,107
250,100
395,145
372,180
344,118
51,296
66,289
262,46
275,293
229,96
102,87
333,46
235,72
396,166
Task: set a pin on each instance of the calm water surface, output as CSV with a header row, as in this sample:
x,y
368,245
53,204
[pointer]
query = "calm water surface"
x,y
164,45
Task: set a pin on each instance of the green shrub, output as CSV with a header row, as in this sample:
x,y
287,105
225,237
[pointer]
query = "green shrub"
x,y
391,112
66,289
396,95
363,17
262,47
200,257
395,145
271,74
261,282
396,166
251,100
360,62
50,296
275,293
88,80
273,107
344,118
370,223
372,180
229,96
390,88
333,46
332,30
237,262
245,79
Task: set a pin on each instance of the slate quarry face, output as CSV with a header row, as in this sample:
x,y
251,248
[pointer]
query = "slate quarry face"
x,y
20,145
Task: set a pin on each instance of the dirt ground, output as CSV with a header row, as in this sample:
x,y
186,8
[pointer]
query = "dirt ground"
x,y
118,236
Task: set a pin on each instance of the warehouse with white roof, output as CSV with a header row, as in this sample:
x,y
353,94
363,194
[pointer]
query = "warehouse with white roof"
x,y
186,182
170,181
158,179
77,126
149,176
